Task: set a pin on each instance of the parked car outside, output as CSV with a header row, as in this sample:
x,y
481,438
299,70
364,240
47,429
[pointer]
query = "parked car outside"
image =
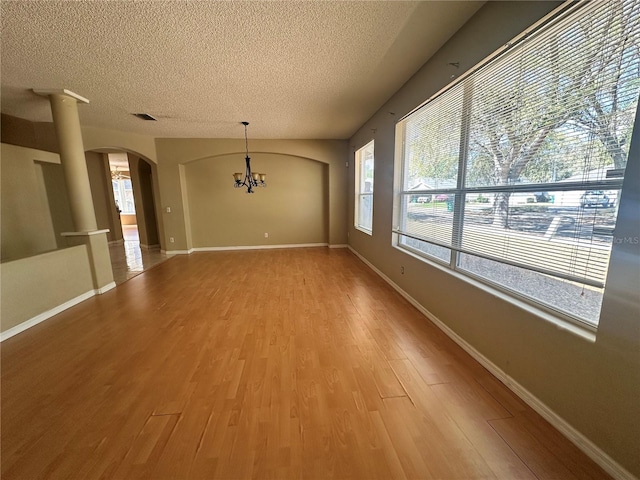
x,y
542,197
442,197
595,197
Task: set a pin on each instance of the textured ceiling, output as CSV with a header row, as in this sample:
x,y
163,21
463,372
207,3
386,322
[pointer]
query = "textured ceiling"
x,y
293,69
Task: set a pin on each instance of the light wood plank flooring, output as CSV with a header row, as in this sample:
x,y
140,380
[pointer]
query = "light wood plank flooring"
x,y
273,364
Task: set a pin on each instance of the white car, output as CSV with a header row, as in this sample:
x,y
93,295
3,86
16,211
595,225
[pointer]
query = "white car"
x,y
592,198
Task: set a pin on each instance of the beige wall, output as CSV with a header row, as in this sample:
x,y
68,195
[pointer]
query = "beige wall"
x,y
141,147
142,182
57,277
147,197
23,133
170,186
291,209
30,222
595,387
18,132
218,159
42,136
35,207
102,194
55,185
99,139
35,211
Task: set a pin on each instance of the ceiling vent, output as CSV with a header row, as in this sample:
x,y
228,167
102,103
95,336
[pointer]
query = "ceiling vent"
x,y
144,116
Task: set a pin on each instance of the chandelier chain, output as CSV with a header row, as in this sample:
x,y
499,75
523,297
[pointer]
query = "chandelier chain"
x,y
246,140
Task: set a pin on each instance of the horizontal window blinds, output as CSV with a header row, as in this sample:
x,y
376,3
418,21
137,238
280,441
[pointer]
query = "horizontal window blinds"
x,y
522,161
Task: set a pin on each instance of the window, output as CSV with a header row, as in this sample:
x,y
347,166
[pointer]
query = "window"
x,y
123,194
512,175
363,210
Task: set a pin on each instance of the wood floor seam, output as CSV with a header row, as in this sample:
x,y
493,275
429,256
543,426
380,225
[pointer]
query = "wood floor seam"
x,y
489,422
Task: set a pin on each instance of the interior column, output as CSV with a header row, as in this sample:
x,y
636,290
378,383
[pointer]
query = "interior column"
x,y
64,107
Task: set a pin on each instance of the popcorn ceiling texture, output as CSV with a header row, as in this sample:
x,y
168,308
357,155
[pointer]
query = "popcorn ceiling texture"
x,y
294,69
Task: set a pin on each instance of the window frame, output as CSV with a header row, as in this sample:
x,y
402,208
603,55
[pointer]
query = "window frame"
x,y
120,195
359,158
401,191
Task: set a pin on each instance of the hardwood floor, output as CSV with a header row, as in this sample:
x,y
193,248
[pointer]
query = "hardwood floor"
x,y
273,364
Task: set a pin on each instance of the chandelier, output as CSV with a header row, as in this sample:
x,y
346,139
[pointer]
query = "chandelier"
x,y
117,175
251,179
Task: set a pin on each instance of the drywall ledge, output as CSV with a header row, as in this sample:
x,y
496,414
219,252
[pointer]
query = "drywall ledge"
x,y
577,438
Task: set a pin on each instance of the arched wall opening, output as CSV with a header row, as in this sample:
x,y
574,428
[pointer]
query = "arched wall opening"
x,y
142,173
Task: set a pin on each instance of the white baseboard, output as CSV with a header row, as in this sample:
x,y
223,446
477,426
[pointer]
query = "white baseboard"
x,y
177,252
577,438
259,247
150,247
45,316
105,289
54,311
248,247
338,245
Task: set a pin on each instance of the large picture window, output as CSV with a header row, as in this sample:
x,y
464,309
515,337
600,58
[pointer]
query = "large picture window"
x,y
363,209
513,174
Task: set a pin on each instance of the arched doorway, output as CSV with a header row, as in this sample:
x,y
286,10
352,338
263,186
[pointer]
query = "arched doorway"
x,y
124,196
